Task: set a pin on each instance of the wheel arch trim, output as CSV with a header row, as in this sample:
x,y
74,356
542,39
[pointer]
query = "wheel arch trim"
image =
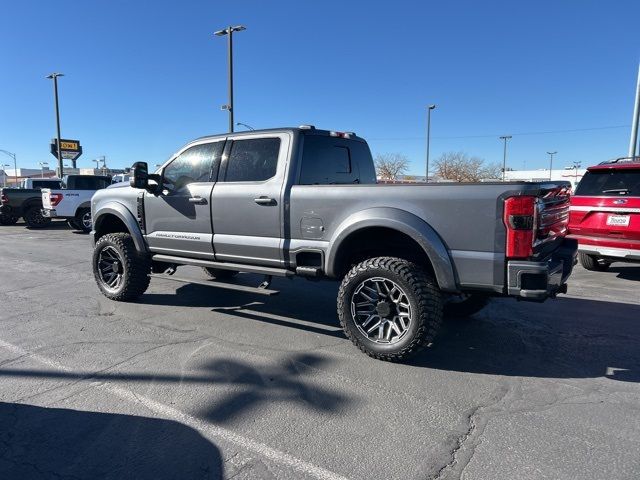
x,y
404,222
121,212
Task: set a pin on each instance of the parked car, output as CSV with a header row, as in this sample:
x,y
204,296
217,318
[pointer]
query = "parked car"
x,y
303,201
72,200
605,214
25,202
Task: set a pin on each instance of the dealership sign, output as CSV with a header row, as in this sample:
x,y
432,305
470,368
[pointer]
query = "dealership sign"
x,y
69,149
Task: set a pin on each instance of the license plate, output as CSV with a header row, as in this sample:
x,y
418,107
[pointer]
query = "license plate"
x,y
618,220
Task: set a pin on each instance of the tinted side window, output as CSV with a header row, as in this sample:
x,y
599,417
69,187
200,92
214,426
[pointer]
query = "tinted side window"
x,y
46,184
253,160
327,160
193,165
610,183
86,182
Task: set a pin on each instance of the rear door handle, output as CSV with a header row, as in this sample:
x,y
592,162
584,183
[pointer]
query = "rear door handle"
x,y
198,200
265,201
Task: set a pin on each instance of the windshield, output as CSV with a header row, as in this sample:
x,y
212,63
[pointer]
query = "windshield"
x,y
610,183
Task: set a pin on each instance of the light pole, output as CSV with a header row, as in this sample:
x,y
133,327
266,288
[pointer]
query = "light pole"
x,y
4,173
249,127
54,76
429,108
15,164
229,32
97,160
504,155
576,166
42,165
551,154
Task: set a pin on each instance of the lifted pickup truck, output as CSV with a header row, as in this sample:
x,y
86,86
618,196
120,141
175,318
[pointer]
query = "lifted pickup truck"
x,y
303,201
25,202
73,201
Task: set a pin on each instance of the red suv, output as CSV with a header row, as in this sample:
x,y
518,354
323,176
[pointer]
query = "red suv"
x,y
605,214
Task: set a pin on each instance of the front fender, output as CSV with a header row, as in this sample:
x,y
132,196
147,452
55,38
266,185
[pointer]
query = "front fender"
x,y
124,214
404,222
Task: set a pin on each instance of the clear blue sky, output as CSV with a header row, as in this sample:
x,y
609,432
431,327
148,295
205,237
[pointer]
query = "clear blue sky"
x,y
144,77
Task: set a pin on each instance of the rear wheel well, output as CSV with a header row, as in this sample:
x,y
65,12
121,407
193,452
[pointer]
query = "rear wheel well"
x,y
379,242
109,223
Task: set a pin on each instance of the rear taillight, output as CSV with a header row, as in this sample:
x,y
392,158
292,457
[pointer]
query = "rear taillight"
x,y
4,199
55,198
520,220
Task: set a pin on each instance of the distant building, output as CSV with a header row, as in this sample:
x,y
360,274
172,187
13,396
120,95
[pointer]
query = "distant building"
x,y
568,174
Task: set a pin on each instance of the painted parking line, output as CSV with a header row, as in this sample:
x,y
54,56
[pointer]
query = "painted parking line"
x,y
207,429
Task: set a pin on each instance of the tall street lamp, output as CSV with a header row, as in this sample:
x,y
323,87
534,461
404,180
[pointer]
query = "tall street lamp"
x,y
429,108
551,154
504,155
248,127
42,165
229,32
576,166
15,164
54,76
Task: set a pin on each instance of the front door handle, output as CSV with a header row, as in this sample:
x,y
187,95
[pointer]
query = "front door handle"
x,y
198,200
265,201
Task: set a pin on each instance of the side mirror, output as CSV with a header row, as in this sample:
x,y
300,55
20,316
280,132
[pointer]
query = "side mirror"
x,y
139,175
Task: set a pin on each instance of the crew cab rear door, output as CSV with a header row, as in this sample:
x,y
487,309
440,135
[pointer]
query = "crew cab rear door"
x,y
247,200
178,217
607,204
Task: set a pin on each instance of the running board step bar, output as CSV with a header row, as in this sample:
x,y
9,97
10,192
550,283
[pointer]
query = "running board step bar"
x,y
228,286
276,272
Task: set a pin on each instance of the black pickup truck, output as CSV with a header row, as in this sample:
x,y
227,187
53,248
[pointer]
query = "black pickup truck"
x,y
25,202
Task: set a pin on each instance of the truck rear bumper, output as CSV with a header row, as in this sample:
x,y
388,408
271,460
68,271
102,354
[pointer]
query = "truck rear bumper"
x,y
49,213
537,281
7,210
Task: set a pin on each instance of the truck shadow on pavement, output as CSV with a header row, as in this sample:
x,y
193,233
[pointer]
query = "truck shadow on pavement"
x,y
626,273
565,338
43,443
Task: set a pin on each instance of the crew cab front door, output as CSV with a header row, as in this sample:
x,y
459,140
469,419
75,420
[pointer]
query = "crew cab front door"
x,y
178,217
247,200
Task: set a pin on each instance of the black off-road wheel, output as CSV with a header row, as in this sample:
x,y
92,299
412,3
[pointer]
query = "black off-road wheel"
x,y
8,220
121,272
593,263
34,219
219,274
464,305
389,308
83,220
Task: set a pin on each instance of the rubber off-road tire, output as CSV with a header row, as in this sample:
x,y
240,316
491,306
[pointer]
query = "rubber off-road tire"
x,y
419,288
8,220
34,219
590,262
83,220
219,274
135,267
466,306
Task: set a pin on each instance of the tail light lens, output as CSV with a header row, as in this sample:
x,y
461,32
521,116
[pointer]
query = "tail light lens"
x,y
4,199
520,220
55,198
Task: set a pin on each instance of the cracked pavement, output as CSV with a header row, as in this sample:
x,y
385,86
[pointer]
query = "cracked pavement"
x,y
195,382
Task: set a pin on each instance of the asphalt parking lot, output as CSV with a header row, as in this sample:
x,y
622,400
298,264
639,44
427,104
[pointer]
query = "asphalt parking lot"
x,y
195,382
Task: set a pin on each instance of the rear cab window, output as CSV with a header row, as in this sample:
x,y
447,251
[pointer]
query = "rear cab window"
x,y
333,160
610,183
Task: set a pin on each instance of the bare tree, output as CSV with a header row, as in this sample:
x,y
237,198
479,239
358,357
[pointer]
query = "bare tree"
x,y
390,165
460,167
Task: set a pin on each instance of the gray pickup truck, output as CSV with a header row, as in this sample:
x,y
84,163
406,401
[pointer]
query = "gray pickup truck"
x,y
304,202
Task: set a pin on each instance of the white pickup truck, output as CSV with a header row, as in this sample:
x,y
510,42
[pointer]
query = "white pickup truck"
x,y
73,200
